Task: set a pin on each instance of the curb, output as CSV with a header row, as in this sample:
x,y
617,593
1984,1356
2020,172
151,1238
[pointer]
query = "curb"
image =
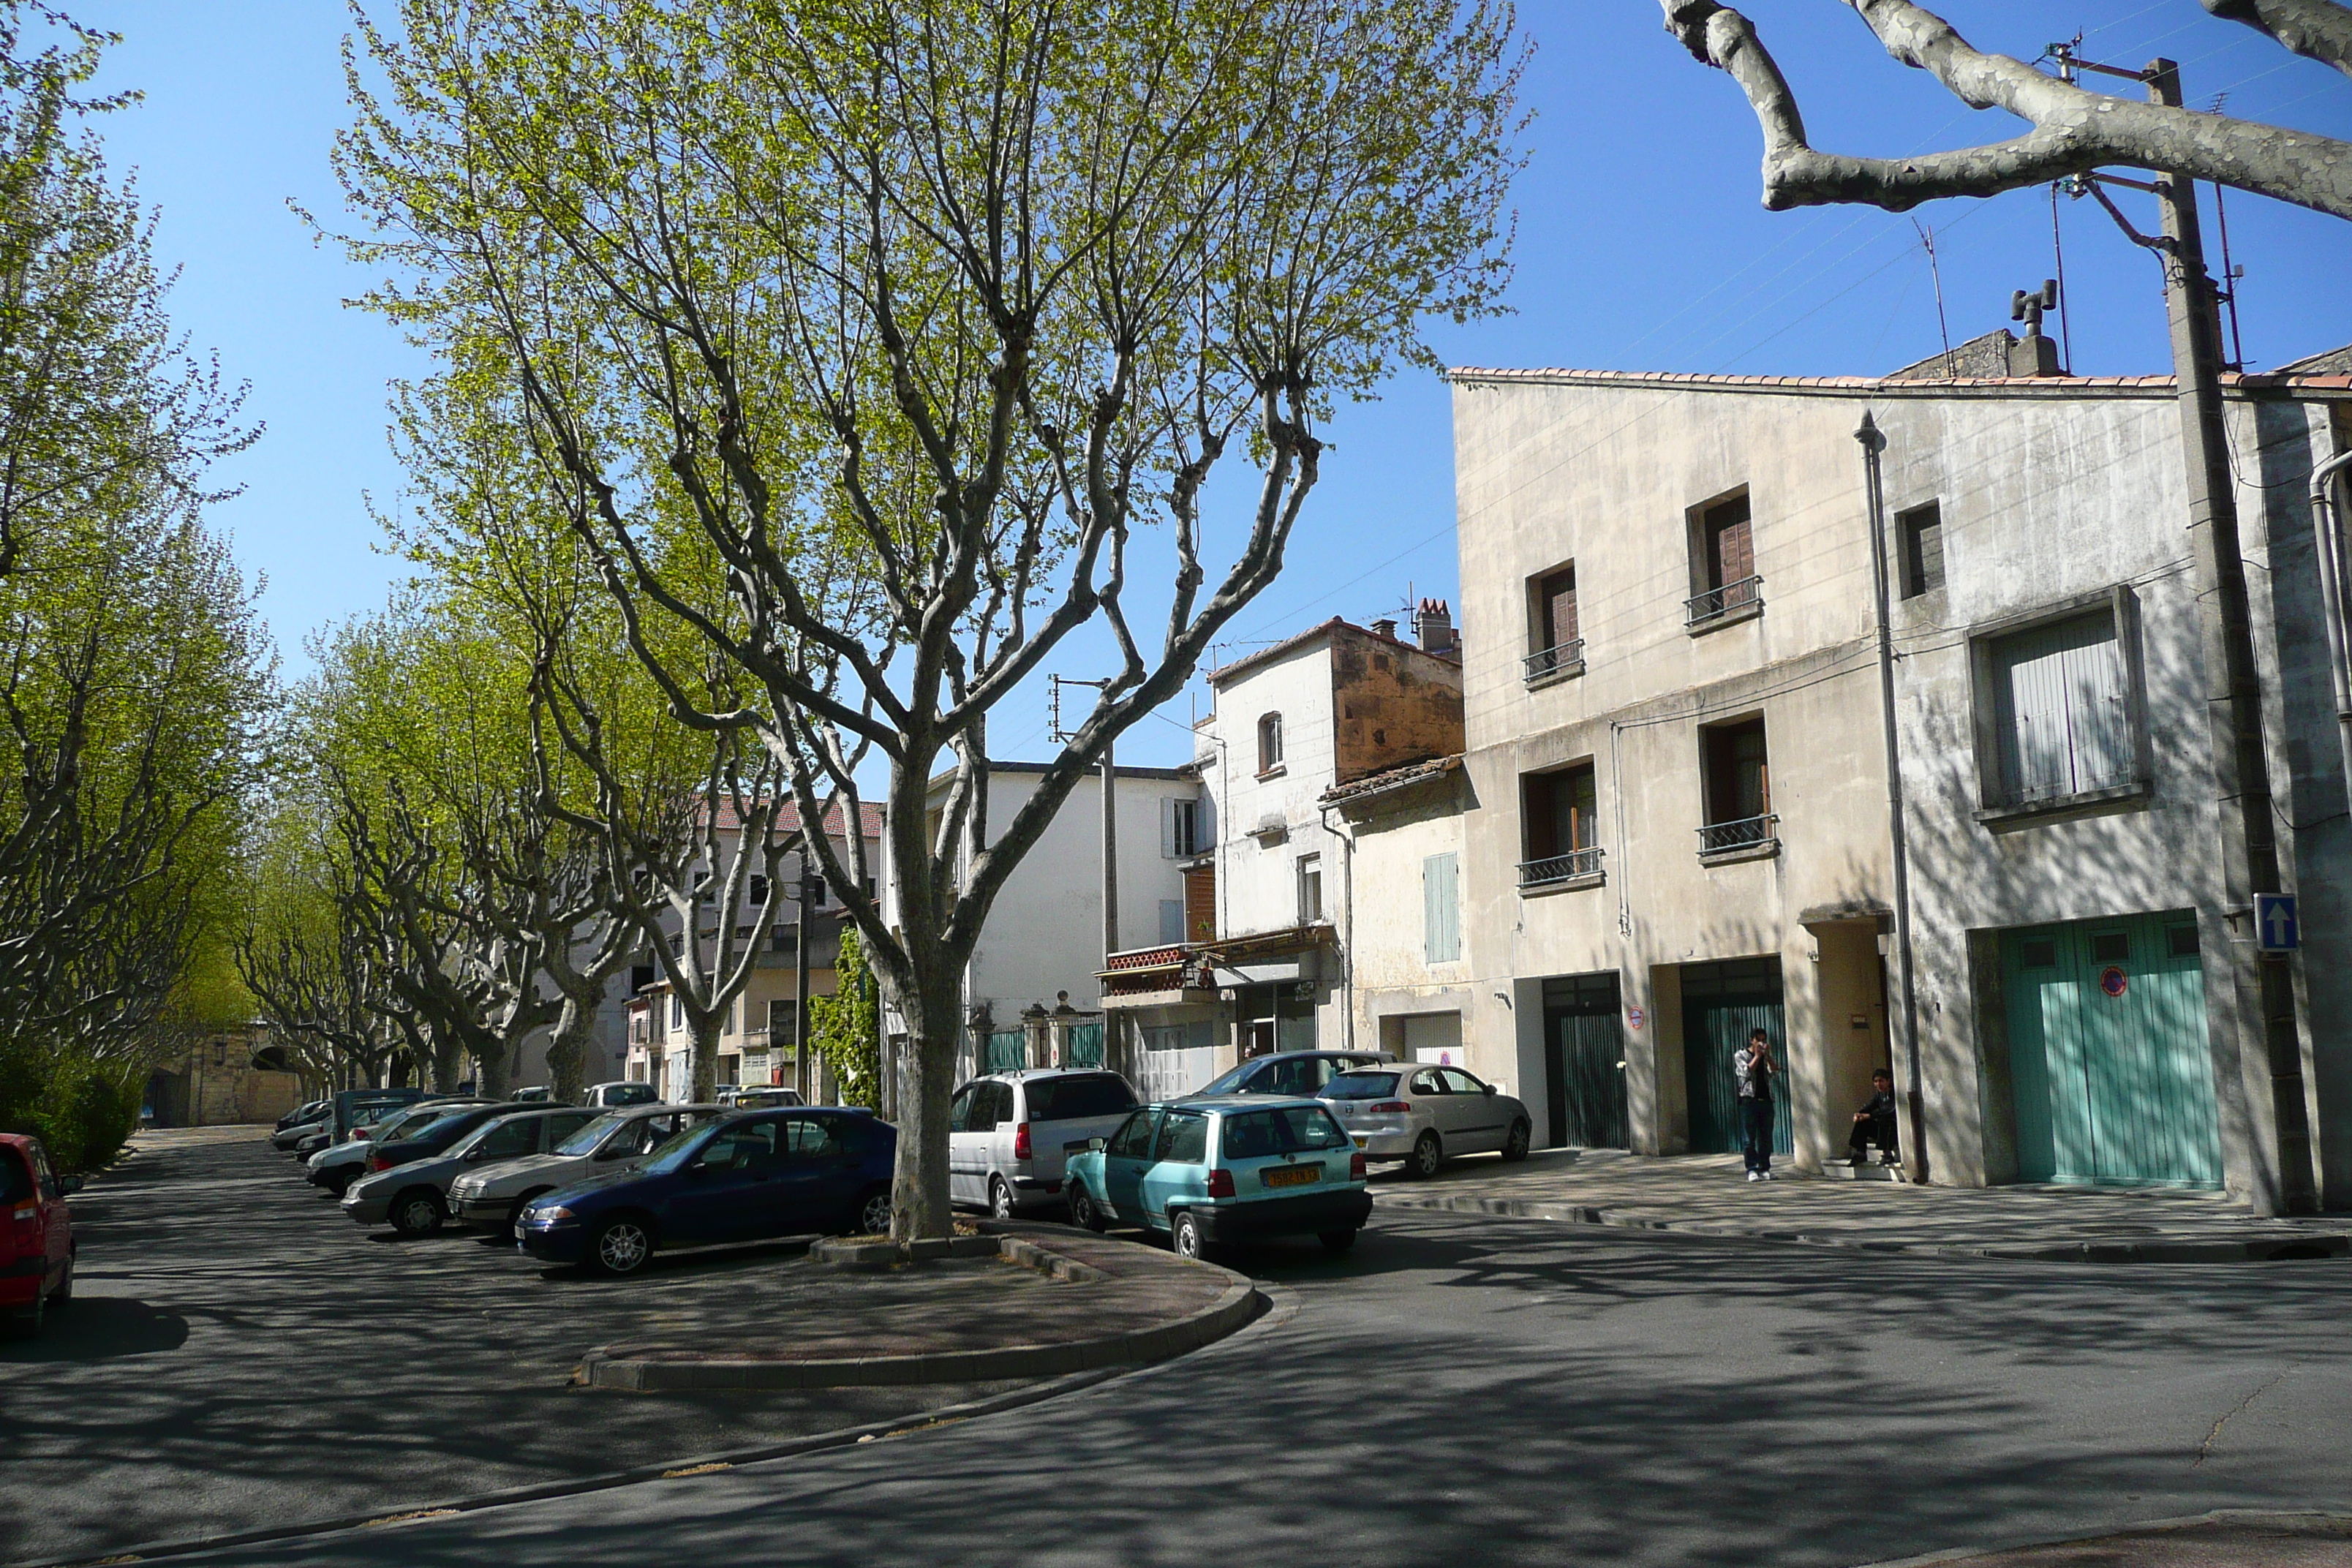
x,y
2265,1249
1960,1554
617,1367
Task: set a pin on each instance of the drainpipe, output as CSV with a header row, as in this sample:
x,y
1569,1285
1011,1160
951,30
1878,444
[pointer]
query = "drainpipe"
x,y
1874,486
1347,931
2328,531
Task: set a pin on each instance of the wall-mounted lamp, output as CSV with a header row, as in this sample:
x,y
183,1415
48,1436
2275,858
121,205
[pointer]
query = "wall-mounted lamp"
x,y
1504,997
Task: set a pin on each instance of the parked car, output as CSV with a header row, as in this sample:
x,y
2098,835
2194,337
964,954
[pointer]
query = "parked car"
x,y
536,1094
36,1240
1237,1168
1009,1132
288,1138
757,1097
338,1166
434,1138
489,1199
356,1106
413,1195
1425,1115
302,1113
753,1176
1288,1073
611,1095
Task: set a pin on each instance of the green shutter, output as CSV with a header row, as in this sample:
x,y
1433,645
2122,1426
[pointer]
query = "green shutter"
x,y
1441,909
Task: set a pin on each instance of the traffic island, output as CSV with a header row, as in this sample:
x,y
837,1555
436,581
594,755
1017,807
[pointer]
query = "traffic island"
x,y
1017,1301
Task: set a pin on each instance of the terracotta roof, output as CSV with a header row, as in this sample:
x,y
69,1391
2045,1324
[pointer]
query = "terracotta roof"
x,y
1224,673
1872,385
788,818
1388,779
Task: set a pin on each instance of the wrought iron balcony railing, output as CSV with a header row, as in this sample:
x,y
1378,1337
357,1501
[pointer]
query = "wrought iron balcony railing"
x,y
1559,868
1566,655
1717,603
1744,833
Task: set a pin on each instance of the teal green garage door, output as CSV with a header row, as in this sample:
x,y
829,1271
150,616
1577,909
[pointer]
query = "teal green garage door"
x,y
1722,1001
2108,1061
1585,1066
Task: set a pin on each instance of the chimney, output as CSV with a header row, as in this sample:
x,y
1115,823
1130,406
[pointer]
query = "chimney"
x,y
1432,626
1384,628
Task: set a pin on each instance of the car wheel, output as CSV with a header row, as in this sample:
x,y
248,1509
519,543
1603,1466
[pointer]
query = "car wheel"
x,y
1338,1241
1515,1143
340,1182
621,1246
874,1213
1000,1198
1184,1234
1083,1212
419,1212
1426,1156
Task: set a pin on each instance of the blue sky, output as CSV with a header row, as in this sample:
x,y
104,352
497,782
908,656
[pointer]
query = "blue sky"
x,y
1641,246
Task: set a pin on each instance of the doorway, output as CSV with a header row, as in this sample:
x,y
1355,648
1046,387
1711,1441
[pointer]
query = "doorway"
x,y
2108,1062
1721,1003
1584,1061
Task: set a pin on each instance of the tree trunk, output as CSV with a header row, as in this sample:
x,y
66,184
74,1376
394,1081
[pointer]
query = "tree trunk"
x,y
706,1056
919,1201
567,1048
497,1080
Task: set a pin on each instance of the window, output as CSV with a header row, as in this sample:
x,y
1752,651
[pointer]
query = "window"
x,y
1557,822
1919,533
1559,641
1723,561
2039,953
1269,742
1133,1139
2110,947
1738,788
676,1011
1077,1096
1184,1139
1459,1082
2181,942
1441,907
1310,889
782,1021
1171,920
2062,711
1181,824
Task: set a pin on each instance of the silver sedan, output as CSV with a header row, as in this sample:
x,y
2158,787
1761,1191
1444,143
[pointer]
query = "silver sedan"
x,y
1425,1115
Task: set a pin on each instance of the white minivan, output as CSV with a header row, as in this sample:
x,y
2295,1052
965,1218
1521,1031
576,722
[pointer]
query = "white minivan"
x,y
1008,1133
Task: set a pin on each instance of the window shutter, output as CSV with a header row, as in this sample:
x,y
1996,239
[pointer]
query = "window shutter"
x,y
1168,851
1441,909
1563,616
1171,920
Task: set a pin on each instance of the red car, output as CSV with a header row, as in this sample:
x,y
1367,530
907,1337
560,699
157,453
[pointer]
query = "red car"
x,y
37,1244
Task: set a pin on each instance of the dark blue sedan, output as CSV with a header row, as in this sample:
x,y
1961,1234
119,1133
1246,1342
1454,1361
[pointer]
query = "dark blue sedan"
x,y
753,1177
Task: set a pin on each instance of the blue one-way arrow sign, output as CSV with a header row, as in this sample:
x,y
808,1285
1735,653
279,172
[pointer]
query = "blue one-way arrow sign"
x,y
2276,927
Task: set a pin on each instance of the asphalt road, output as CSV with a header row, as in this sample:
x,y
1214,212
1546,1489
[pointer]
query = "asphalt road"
x,y
1485,1390
239,1356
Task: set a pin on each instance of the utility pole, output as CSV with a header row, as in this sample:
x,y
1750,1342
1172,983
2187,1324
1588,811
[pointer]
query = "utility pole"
x,y
2269,1042
811,887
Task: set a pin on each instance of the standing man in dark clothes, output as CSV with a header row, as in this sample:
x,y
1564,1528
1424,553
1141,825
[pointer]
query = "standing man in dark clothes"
x,y
1753,1069
1876,1123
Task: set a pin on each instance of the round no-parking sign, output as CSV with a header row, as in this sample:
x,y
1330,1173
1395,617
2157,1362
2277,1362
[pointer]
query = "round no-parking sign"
x,y
1634,1017
2114,981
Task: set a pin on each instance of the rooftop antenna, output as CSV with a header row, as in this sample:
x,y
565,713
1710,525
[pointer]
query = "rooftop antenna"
x,y
1927,238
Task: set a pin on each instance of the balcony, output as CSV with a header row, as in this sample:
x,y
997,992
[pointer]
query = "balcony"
x,y
1560,663
1561,873
1723,607
1743,838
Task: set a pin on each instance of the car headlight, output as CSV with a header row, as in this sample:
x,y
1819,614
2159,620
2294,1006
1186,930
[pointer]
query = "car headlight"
x,y
555,1216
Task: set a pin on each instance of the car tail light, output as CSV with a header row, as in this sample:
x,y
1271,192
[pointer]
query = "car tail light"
x,y
378,1162
1020,1141
1356,1167
1221,1182
1392,1108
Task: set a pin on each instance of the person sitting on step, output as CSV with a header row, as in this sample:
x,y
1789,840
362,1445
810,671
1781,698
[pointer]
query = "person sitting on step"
x,y
1875,1122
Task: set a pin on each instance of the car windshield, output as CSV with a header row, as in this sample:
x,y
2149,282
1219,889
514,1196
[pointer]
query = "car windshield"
x,y
1069,1098
414,1120
1225,1083
1361,1086
1282,1130
584,1142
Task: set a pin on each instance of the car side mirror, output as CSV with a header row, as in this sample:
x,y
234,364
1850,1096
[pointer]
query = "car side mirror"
x,y
699,1171
1490,1089
68,1185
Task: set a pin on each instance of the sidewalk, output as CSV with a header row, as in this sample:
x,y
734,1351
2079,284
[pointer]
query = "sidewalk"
x,y
1706,1194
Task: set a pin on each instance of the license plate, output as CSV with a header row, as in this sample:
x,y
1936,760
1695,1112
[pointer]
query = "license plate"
x,y
1293,1175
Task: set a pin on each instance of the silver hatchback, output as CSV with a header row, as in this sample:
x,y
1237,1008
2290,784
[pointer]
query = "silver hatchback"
x,y
1424,1115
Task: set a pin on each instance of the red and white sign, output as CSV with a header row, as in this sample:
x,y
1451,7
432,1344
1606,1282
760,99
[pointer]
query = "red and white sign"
x,y
1634,1017
2114,981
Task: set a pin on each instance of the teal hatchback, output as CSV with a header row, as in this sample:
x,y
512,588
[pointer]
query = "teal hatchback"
x,y
1232,1168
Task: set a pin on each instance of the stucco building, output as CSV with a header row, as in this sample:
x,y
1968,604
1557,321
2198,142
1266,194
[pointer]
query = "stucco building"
x,y
1677,745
